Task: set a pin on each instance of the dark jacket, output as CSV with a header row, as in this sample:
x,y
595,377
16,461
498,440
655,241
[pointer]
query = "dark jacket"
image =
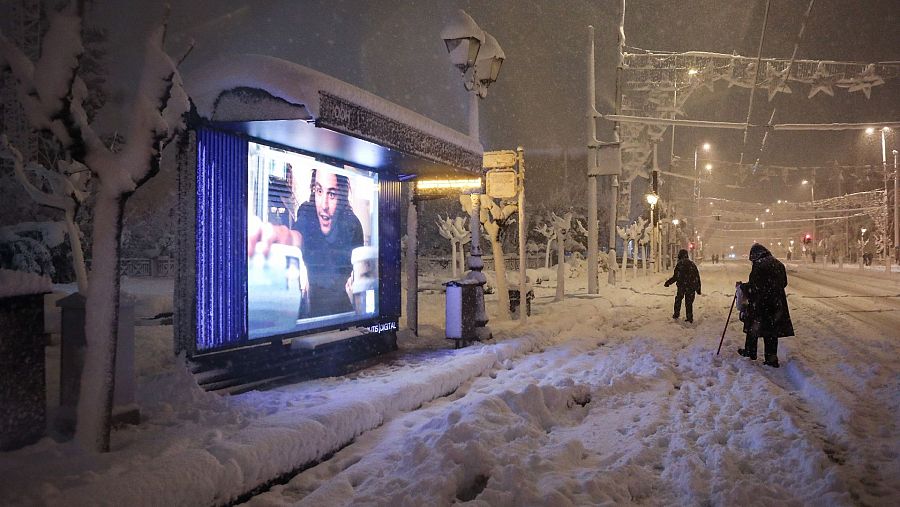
x,y
768,314
686,275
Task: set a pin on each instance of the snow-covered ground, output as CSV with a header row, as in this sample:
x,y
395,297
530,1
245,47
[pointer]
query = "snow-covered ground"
x,y
599,400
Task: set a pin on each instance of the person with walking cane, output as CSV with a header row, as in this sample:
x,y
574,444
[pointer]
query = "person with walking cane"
x,y
766,315
687,279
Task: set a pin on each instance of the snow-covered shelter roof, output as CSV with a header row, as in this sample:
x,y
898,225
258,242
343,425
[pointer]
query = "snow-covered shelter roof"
x,y
293,105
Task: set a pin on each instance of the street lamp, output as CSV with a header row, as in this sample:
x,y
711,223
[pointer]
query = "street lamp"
x,y
896,210
652,199
478,57
884,131
705,147
812,202
862,246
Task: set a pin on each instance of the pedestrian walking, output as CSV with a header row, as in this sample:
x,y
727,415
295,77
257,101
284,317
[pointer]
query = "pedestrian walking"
x,y
766,315
687,279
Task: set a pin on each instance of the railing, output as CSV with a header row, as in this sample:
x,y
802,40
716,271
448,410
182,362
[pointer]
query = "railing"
x,y
512,263
158,267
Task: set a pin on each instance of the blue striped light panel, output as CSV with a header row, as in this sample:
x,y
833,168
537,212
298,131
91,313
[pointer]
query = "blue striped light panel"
x,y
221,231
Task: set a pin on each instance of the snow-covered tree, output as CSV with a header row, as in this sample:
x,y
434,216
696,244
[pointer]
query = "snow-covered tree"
x,y
64,189
454,229
547,232
53,96
644,243
622,232
635,232
631,235
464,237
561,227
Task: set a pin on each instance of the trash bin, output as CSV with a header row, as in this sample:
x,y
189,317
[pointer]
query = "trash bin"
x,y
23,418
459,320
515,299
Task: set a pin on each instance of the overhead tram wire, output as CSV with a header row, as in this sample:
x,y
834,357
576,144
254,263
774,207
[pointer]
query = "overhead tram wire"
x,y
783,80
762,38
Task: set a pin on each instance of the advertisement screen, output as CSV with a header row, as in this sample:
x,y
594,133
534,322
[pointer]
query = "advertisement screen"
x,y
312,243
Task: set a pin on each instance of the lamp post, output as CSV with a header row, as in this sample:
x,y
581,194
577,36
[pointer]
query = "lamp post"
x,y
652,199
705,147
896,211
812,202
478,57
884,131
673,240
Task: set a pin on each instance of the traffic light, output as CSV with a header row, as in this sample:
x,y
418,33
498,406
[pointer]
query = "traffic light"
x,y
807,239
690,246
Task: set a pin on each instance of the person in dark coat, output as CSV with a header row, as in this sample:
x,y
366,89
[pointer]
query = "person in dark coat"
x,y
687,279
767,314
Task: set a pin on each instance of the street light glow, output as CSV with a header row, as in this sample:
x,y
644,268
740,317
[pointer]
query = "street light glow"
x,y
652,199
706,146
692,72
709,167
675,221
804,182
870,130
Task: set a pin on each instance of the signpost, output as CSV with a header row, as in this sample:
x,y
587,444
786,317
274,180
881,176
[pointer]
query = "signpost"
x,y
505,179
502,183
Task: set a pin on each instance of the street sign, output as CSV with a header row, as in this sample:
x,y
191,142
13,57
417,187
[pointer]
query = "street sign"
x,y
497,159
501,183
608,161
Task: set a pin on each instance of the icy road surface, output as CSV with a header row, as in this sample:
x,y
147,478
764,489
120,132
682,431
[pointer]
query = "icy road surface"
x,y
626,406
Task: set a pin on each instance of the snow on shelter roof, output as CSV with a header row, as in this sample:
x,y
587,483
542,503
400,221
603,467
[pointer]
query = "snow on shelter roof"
x,y
263,96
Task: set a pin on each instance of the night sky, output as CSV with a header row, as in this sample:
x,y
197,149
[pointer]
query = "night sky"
x,y
393,49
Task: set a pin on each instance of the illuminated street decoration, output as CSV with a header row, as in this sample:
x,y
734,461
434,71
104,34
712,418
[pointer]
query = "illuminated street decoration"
x,y
657,85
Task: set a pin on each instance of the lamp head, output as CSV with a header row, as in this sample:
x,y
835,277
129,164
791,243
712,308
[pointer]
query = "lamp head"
x,y
489,60
652,199
463,38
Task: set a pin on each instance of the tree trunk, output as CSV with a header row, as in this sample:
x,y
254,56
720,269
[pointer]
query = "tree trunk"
x,y
547,255
101,327
560,269
634,260
500,272
77,252
645,252
453,257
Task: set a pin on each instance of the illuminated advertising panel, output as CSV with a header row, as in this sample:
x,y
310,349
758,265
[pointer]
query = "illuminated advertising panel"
x,y
312,243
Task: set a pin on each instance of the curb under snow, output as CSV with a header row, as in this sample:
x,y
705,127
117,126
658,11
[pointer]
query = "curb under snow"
x,y
283,442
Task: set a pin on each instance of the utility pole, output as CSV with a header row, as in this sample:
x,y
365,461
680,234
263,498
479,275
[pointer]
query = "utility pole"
x,y
523,265
896,211
592,172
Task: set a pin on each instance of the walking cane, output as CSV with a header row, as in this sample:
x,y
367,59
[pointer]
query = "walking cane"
x,y
726,324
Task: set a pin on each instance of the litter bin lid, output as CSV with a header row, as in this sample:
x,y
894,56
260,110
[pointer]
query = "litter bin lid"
x,y
460,283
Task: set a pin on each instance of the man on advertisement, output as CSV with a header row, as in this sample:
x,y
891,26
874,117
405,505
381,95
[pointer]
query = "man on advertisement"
x,y
326,230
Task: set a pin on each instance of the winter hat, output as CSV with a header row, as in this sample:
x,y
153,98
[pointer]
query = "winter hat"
x,y
682,254
758,251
